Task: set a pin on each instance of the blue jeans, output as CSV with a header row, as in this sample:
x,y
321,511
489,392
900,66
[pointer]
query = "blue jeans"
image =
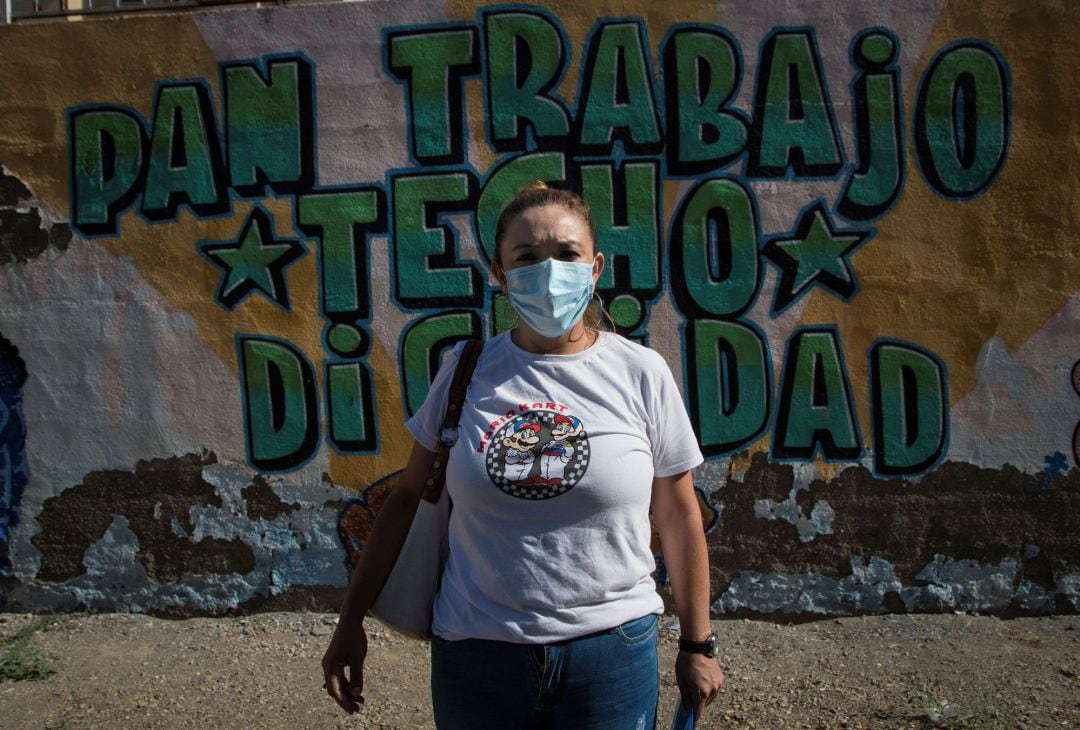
x,y
604,680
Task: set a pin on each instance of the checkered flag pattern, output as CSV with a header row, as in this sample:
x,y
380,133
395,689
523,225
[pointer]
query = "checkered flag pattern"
x,y
531,486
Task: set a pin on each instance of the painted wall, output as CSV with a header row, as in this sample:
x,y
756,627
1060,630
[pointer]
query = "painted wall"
x,y
234,246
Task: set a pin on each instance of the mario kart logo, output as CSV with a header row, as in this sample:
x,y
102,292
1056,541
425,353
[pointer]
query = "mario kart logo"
x,y
538,455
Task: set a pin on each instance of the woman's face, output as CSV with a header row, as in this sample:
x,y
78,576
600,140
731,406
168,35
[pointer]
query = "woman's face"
x,y
546,232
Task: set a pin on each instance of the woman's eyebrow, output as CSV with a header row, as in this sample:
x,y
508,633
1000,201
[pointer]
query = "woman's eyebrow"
x,y
529,243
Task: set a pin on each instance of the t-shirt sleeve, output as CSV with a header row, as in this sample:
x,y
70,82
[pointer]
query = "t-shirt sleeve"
x,y
674,445
427,421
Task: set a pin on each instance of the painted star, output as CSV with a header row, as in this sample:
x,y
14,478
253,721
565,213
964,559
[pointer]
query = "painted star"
x,y
814,253
254,262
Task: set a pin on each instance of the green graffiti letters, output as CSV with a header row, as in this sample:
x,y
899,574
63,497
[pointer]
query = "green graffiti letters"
x,y
815,410
107,150
793,125
526,58
704,134
269,131
270,125
875,184
962,119
432,64
635,141
617,101
425,272
625,206
714,250
909,403
423,344
280,405
341,221
350,405
728,383
184,165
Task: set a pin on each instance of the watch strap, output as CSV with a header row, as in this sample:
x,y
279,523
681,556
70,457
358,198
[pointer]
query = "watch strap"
x,y
706,647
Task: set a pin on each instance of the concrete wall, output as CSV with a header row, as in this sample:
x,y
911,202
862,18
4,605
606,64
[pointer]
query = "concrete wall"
x,y
234,245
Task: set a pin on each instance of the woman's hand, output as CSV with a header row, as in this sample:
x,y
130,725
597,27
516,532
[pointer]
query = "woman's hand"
x,y
348,648
678,519
699,679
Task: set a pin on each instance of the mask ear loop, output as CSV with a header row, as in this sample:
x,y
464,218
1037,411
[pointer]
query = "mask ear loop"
x,y
599,319
600,313
603,316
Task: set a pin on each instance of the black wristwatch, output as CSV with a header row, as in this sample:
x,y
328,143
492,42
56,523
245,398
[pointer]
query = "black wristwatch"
x,y
707,647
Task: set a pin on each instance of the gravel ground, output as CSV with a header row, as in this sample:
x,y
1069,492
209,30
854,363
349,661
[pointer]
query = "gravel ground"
x,y
262,671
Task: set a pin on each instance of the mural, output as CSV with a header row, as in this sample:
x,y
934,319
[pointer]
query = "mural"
x,y
233,272
13,476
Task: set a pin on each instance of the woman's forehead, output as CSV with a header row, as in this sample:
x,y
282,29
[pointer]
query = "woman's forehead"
x,y
547,223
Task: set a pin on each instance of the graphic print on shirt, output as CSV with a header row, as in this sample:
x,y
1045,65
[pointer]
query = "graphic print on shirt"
x,y
538,455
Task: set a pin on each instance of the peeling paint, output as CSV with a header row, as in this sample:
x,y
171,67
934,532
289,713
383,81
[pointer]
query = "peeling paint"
x,y
25,233
262,501
72,521
951,585
12,190
959,539
962,585
1068,586
818,523
294,558
863,591
115,579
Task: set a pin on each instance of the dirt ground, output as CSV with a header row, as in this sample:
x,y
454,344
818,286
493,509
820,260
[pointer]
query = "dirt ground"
x,y
262,671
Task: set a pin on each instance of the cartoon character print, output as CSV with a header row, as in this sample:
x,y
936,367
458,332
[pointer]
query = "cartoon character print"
x,y
519,456
539,455
558,452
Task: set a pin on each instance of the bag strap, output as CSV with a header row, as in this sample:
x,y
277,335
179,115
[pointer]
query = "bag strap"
x,y
436,477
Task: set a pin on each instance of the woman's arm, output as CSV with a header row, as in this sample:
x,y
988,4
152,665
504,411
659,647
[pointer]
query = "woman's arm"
x,y
348,646
678,519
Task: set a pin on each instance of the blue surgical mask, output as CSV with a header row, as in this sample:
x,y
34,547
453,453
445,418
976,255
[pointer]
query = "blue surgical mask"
x,y
551,295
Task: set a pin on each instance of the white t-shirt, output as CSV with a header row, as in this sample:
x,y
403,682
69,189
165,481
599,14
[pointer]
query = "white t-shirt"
x,y
551,481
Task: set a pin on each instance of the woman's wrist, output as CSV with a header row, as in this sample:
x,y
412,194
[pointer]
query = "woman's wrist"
x,y
700,634
695,626
350,615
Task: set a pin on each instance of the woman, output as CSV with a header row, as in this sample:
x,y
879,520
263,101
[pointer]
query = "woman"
x,y
547,613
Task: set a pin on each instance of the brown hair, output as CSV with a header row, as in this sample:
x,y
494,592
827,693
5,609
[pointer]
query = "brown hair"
x,y
537,194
